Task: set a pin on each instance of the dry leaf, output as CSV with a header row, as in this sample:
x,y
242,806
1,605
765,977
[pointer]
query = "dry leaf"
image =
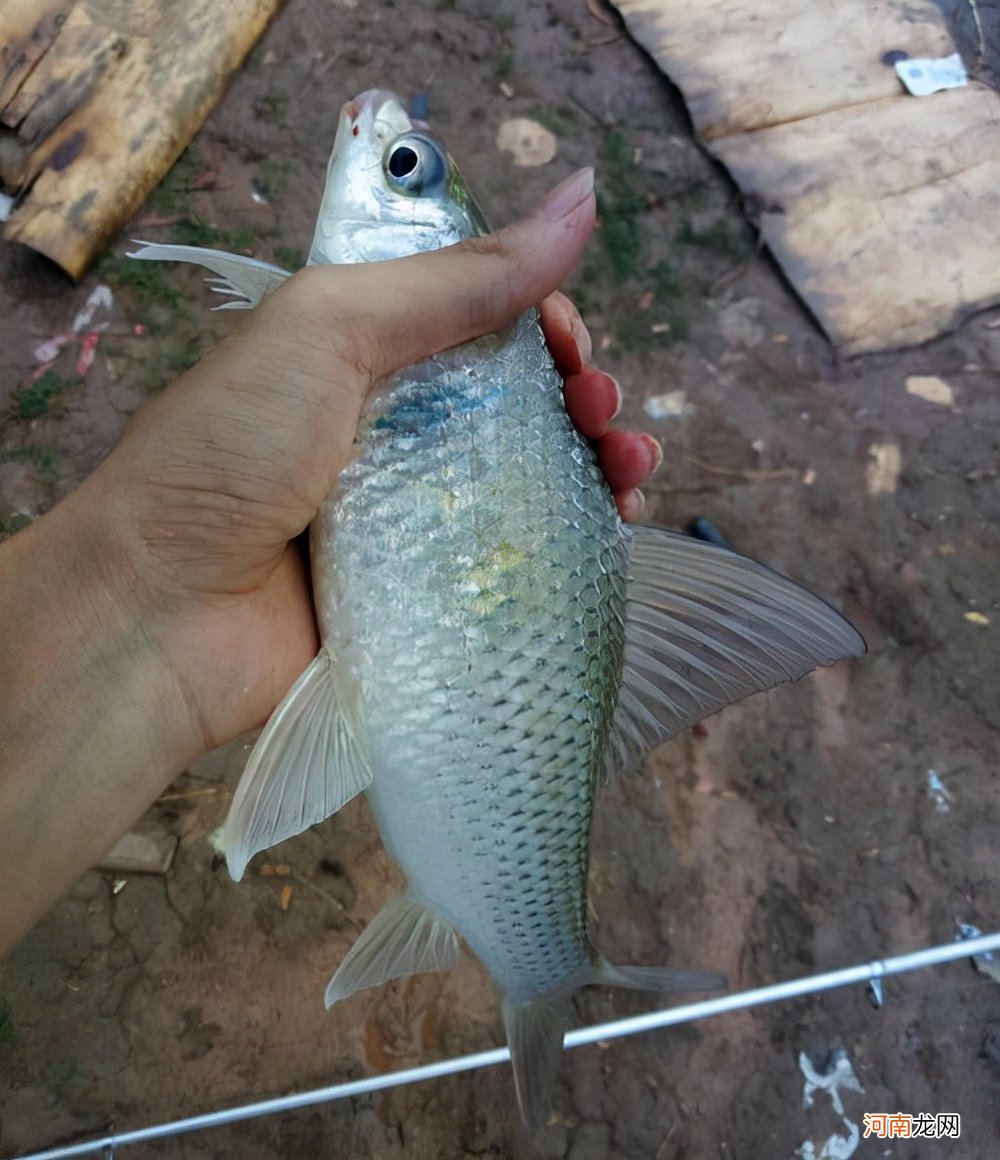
x,y
931,388
977,618
882,474
529,143
286,897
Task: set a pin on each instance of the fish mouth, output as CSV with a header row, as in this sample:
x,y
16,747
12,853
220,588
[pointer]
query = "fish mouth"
x,y
377,113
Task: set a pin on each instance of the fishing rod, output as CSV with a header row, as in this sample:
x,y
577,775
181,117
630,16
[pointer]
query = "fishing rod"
x,y
979,948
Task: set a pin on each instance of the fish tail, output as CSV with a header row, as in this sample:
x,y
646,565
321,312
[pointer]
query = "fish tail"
x,y
535,1032
656,978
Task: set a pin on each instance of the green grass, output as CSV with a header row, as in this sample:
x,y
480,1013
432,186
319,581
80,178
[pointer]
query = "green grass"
x,y
45,461
147,279
634,331
171,195
290,257
717,238
271,107
195,231
164,361
40,398
6,1019
634,288
563,120
667,281
273,175
8,526
621,204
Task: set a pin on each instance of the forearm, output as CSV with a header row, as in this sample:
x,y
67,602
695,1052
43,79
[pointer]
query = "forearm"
x,y
92,722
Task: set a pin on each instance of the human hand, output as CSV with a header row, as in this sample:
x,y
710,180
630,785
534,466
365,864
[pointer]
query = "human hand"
x,y
216,477
593,400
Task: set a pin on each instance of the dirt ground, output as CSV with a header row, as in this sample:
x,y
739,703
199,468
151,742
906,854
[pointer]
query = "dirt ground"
x,y
794,833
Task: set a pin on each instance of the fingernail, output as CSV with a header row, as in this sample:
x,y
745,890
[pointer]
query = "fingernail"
x,y
584,346
657,451
618,398
567,195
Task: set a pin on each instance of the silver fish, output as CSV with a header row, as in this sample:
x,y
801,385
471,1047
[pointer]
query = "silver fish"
x,y
496,644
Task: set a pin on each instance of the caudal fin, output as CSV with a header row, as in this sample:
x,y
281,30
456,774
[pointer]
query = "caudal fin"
x,y
535,1035
535,1029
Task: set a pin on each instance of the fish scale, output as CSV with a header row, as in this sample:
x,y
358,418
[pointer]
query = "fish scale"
x,y
476,472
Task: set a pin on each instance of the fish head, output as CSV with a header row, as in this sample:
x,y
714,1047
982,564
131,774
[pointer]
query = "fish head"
x,y
391,189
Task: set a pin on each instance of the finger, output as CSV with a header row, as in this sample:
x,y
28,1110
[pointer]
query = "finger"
x,y
391,315
593,399
567,337
631,505
628,458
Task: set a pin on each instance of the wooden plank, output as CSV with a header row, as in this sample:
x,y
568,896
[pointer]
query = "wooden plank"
x,y
881,208
886,254
27,30
749,64
94,169
65,76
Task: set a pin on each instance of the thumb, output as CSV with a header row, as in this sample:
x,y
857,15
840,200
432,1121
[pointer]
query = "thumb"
x,y
389,315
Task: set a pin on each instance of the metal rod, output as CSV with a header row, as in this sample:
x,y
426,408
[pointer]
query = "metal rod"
x,y
687,1013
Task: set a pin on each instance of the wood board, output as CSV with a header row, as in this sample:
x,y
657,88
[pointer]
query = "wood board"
x,y
98,98
883,209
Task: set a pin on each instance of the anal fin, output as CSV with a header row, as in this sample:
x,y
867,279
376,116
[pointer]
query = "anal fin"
x,y
404,938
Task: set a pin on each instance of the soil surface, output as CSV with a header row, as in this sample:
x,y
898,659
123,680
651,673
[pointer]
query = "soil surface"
x,y
793,833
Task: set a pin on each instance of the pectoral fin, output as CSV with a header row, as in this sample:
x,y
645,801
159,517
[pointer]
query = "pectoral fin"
x,y
305,766
705,627
248,280
404,938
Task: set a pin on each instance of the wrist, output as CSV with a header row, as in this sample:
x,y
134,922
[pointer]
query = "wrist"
x,y
92,726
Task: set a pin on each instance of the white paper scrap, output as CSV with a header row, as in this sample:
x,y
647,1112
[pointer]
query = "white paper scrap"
x,y
925,75
672,405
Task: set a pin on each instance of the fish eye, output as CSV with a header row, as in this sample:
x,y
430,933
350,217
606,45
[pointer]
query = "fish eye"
x,y
416,166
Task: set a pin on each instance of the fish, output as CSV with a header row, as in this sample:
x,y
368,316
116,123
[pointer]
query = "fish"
x,y
496,644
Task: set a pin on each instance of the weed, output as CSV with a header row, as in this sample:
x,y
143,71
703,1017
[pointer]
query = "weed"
x,y
561,120
639,333
8,526
195,231
38,399
147,279
289,257
505,64
165,362
172,194
717,238
271,107
45,461
272,177
666,281
620,205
